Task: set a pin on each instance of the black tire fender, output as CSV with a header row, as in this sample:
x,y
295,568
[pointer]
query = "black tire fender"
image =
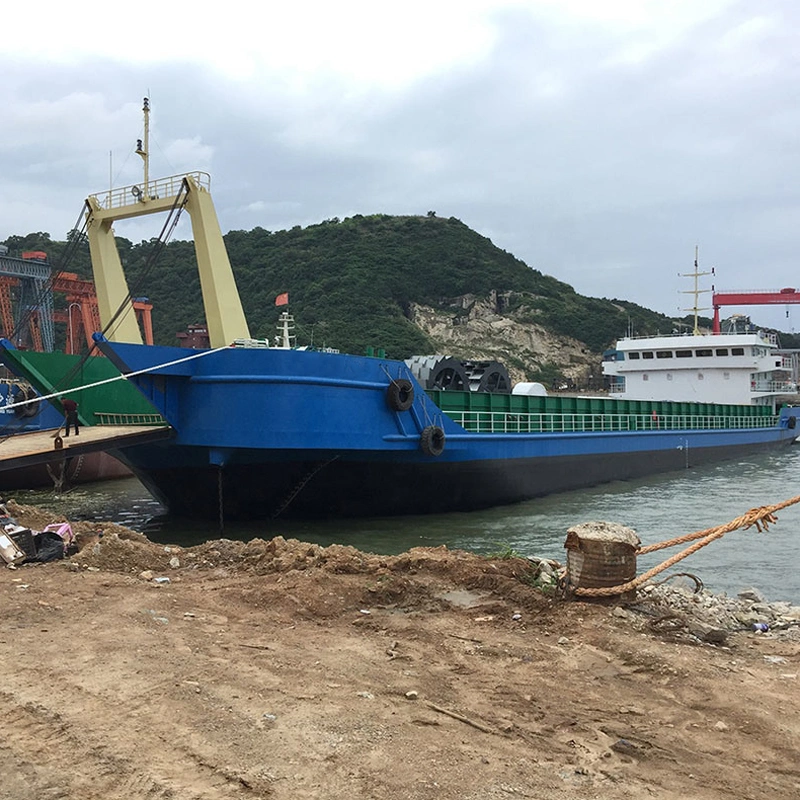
x,y
29,409
400,395
432,440
32,409
18,397
791,422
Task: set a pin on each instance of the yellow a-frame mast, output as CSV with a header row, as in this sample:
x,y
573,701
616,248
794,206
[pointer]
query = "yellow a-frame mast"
x,y
224,314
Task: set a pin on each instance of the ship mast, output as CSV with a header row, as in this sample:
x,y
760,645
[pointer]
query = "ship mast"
x,y
285,339
143,150
223,308
697,291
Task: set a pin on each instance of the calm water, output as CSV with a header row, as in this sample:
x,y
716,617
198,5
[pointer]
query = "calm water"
x,y
658,508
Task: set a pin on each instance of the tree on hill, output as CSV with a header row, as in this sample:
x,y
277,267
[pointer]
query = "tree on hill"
x,y
353,281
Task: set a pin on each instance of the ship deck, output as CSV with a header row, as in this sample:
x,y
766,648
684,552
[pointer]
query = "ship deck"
x,y
39,447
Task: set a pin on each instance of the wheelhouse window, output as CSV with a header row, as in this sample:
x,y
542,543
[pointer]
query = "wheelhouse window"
x,y
706,353
737,351
663,353
683,354
647,355
633,356
721,351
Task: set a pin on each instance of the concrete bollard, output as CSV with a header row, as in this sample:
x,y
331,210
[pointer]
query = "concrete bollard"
x,y
600,554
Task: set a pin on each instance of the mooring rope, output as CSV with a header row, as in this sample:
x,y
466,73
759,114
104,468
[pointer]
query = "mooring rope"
x,y
761,517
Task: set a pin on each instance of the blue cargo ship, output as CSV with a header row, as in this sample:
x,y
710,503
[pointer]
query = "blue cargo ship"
x,y
264,429
263,432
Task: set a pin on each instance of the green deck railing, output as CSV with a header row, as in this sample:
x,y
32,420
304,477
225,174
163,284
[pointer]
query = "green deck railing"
x,y
502,422
112,418
506,413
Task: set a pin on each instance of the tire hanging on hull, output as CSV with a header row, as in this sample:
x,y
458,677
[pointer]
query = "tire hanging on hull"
x,y
400,394
30,409
432,440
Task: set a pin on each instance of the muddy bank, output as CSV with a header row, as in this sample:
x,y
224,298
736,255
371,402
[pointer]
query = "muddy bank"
x,y
282,669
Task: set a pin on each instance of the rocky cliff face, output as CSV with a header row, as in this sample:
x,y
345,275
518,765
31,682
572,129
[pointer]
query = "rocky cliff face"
x,y
478,328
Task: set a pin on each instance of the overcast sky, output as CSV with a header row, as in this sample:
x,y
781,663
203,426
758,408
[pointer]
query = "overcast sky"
x,y
597,141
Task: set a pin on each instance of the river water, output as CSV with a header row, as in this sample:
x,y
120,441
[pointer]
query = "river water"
x,y
657,507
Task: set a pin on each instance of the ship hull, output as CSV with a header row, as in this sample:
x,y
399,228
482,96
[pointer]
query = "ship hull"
x,y
270,433
329,485
86,468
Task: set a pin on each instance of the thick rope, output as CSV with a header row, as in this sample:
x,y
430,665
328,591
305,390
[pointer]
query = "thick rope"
x,y
761,517
742,521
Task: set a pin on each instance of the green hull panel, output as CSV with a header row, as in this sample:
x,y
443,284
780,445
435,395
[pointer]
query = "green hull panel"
x,y
61,373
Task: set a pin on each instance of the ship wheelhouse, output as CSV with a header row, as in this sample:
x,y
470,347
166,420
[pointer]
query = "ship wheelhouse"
x,y
726,368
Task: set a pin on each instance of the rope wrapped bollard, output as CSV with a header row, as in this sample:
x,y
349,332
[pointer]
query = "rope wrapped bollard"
x,y
600,555
761,517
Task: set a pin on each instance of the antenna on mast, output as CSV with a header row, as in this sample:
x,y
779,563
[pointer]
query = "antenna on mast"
x,y
143,148
697,291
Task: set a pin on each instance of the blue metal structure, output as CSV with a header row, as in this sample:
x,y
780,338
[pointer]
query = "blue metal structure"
x,y
261,432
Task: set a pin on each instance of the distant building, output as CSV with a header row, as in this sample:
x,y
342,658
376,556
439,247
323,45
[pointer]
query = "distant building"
x,y
195,337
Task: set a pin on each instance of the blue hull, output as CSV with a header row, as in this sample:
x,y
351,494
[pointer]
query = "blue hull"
x,y
37,416
271,432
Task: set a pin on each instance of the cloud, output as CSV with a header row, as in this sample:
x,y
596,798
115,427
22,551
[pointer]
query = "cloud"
x,y
598,142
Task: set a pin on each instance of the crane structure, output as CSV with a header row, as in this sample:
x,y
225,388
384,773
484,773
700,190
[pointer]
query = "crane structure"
x,y
6,305
27,314
764,297
82,313
32,317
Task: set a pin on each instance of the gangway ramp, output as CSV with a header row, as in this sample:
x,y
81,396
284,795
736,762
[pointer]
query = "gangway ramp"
x,y
40,447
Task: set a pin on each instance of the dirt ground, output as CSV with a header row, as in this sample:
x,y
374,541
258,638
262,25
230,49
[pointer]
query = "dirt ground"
x,y
277,669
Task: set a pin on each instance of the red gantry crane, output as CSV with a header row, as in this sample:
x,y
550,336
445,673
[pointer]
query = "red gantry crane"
x,y
764,297
82,314
26,304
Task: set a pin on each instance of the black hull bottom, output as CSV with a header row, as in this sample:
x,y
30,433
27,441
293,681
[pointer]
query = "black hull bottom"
x,y
341,488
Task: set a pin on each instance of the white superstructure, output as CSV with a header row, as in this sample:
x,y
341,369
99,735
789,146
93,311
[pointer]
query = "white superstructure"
x,y
737,368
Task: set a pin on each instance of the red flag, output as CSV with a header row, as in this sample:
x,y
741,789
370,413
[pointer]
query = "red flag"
x,y
282,299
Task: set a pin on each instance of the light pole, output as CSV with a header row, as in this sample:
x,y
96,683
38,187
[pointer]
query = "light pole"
x,y
69,320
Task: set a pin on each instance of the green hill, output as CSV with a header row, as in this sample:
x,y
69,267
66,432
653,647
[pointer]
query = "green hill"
x,y
354,283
